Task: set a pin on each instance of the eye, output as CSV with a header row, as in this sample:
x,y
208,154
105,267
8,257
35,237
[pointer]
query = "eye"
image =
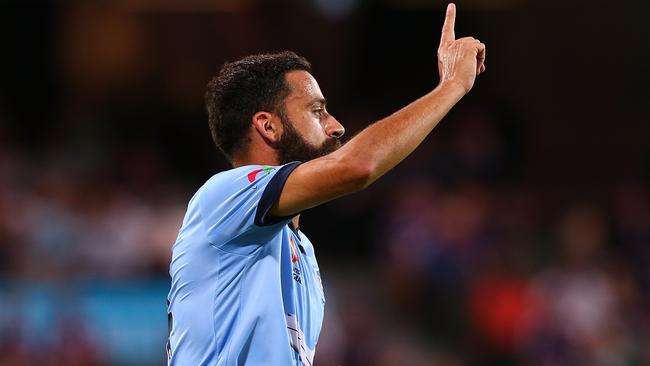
x,y
319,111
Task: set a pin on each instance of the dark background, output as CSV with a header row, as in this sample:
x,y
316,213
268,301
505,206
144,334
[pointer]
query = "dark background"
x,y
517,234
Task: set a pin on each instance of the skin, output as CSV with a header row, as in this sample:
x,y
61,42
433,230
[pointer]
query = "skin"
x,y
374,151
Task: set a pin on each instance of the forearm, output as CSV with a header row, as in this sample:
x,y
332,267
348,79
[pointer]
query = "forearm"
x,y
385,143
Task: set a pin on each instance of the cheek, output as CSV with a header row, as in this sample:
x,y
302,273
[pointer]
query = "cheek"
x,y
314,131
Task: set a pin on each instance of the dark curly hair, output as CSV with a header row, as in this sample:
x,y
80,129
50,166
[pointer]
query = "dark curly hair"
x,y
244,87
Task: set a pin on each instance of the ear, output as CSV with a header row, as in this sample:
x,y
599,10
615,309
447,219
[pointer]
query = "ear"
x,y
268,126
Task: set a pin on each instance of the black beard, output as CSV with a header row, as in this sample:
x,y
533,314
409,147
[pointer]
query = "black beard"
x,y
292,147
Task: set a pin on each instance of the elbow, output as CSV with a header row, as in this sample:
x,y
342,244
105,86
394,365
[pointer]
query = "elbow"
x,y
349,171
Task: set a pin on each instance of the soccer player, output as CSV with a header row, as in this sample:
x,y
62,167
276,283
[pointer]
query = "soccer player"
x,y
246,287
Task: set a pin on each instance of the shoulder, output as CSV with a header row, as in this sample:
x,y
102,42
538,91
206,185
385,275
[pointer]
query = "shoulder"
x,y
247,175
248,179
231,202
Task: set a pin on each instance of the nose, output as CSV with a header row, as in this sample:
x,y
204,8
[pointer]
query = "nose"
x,y
334,128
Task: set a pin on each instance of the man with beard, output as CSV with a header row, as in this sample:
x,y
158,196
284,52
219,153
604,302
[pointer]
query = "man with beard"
x,y
246,286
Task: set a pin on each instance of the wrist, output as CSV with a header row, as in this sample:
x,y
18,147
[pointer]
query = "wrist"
x,y
452,87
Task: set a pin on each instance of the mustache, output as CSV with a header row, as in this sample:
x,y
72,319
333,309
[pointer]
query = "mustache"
x,y
331,144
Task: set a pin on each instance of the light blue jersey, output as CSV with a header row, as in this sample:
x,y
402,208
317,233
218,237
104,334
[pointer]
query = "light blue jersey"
x,y
245,289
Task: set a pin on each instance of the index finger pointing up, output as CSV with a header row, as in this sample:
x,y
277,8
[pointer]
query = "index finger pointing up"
x,y
448,33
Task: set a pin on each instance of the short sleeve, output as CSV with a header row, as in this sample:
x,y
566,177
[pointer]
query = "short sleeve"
x,y
234,205
271,194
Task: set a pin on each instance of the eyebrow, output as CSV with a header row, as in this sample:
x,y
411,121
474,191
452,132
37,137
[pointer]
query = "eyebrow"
x,y
322,101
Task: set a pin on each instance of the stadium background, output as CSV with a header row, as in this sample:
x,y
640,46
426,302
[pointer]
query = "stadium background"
x,y
518,234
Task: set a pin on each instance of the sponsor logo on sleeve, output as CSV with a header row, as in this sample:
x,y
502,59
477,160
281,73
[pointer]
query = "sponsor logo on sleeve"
x,y
253,174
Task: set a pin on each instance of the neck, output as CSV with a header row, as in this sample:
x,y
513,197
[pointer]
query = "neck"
x,y
296,221
258,152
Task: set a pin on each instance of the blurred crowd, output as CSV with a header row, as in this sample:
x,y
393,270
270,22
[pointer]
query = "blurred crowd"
x,y
473,271
57,221
65,226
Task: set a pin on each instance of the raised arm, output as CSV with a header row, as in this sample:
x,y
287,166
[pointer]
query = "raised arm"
x,y
385,143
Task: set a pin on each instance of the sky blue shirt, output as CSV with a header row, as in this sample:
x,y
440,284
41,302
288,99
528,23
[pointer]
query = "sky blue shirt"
x,y
246,288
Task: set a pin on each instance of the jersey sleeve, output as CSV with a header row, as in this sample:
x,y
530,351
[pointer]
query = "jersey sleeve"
x,y
234,205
